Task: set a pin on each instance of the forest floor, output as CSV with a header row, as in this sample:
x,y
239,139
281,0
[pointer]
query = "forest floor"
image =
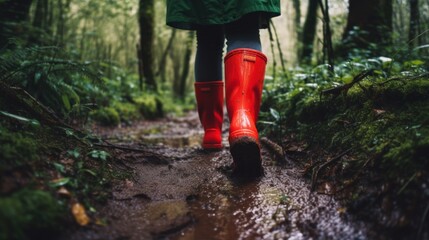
x,y
189,193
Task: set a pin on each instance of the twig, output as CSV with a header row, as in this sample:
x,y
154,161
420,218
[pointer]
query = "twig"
x,y
406,78
336,91
21,97
355,177
315,174
274,148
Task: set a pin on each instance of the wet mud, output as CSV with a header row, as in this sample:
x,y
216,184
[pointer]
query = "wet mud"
x,y
194,196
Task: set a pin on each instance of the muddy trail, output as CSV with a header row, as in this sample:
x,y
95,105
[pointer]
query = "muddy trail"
x,y
190,193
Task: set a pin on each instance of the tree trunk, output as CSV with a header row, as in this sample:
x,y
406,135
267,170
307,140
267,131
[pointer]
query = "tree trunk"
x,y
146,22
186,66
328,51
40,22
297,7
413,36
374,21
309,31
12,13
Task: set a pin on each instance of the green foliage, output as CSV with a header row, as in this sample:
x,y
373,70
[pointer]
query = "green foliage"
x,y
383,116
54,81
127,111
150,106
29,214
106,116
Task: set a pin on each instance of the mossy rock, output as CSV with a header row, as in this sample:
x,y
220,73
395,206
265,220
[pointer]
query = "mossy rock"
x,y
151,106
107,116
127,111
29,214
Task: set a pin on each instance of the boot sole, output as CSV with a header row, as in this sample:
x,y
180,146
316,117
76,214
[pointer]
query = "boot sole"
x,y
246,154
213,147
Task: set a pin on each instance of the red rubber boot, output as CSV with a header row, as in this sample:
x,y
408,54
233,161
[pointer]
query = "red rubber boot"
x,y
209,97
244,79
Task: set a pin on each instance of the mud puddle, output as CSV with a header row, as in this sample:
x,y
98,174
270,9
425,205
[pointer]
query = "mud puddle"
x,y
192,196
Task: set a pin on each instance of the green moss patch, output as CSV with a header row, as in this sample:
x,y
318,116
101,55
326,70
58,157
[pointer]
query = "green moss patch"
x,y
107,116
382,125
29,214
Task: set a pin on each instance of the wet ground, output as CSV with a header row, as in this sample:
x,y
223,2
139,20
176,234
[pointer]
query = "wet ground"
x,y
191,195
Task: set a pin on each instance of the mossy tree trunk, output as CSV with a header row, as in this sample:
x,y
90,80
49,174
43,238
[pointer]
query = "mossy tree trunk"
x,y
147,23
12,14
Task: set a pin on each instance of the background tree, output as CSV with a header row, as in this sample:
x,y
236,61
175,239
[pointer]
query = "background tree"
x,y
146,21
309,31
13,16
413,36
373,22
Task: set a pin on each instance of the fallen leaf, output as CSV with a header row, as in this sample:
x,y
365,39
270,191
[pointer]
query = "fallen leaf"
x,y
64,192
59,182
378,112
342,210
101,222
79,214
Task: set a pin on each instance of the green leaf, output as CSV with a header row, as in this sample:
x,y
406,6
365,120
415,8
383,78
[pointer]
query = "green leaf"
x,y
20,118
275,114
69,132
99,154
59,167
90,172
74,153
66,102
59,182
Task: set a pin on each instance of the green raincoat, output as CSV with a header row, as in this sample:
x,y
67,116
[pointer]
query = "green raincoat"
x,y
186,14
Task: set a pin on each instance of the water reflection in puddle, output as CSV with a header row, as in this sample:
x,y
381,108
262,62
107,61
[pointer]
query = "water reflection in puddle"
x,y
279,206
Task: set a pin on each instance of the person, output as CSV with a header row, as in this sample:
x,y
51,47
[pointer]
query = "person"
x,y
239,22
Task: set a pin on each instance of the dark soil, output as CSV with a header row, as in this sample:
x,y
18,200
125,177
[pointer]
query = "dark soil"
x,y
191,194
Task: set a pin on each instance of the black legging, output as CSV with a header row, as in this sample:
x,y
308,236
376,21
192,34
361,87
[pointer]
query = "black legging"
x,y
243,33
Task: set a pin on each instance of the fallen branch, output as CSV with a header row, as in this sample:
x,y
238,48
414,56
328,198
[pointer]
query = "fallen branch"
x,y
336,91
276,149
402,79
315,174
20,97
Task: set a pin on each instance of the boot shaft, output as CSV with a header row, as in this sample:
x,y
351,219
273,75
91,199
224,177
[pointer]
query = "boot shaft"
x,y
244,79
209,96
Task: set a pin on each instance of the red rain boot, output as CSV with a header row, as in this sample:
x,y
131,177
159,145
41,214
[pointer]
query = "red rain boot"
x,y
244,79
209,97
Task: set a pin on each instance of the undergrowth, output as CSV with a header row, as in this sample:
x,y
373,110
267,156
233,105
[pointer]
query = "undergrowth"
x,y
374,110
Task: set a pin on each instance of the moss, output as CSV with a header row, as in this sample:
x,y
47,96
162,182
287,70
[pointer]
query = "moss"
x,y
16,149
151,106
385,119
127,111
29,214
106,116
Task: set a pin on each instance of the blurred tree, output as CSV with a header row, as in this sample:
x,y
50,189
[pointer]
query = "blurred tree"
x,y
309,31
13,14
179,84
146,22
373,20
413,36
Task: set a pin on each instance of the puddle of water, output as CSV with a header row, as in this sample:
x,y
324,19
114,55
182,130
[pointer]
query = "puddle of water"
x,y
279,206
177,141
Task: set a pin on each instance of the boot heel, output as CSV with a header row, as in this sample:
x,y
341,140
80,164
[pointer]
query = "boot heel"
x,y
246,153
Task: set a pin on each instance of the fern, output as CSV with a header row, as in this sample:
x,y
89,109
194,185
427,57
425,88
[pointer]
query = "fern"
x,y
46,76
